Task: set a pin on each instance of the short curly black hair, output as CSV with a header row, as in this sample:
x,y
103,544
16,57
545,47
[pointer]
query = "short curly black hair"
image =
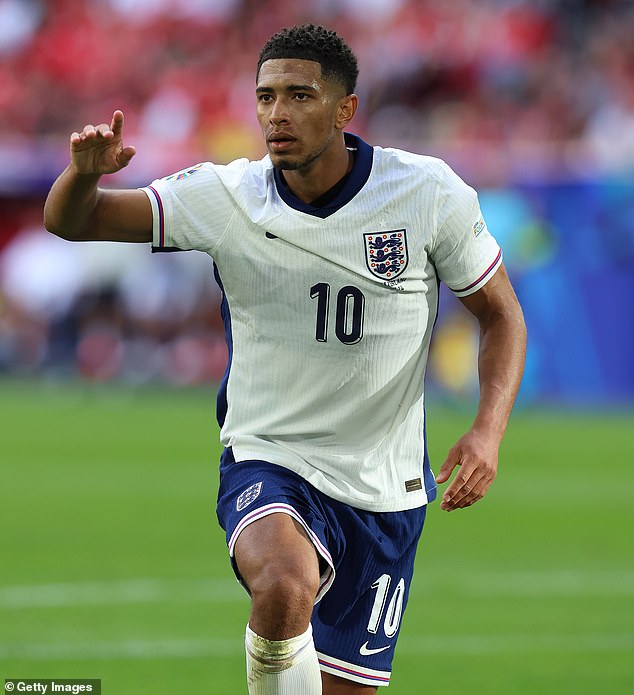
x,y
314,42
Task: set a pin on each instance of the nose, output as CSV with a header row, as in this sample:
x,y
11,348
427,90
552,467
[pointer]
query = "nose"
x,y
279,112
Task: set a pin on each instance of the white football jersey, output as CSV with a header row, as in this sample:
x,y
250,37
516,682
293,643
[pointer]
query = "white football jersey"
x,y
329,310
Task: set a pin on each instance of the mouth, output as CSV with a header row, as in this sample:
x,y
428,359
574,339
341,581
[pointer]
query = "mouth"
x,y
280,143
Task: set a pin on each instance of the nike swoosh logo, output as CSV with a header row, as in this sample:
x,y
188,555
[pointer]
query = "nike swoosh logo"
x,y
268,235
366,651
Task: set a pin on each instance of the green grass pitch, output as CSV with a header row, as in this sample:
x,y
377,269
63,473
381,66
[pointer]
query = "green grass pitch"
x,y
113,566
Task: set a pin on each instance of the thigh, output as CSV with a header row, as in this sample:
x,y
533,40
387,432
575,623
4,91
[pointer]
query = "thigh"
x,y
279,566
356,625
275,546
260,503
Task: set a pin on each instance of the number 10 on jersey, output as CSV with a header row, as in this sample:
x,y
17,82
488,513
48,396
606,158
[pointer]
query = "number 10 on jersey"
x,y
349,308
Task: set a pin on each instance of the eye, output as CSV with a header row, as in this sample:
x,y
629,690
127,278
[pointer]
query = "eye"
x,y
265,98
300,96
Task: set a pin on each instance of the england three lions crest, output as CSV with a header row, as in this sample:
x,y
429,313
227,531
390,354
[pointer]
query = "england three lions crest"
x,y
386,253
248,496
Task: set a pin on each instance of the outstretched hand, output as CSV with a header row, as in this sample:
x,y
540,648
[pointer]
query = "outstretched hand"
x,y
477,457
99,149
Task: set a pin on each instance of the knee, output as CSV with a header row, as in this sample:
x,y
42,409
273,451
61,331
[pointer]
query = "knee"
x,y
285,587
282,598
280,567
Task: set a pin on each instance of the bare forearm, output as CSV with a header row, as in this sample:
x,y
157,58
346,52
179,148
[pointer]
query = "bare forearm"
x,y
78,210
500,368
71,203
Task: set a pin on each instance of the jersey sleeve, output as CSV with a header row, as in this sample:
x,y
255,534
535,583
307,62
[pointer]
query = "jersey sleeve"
x,y
191,210
464,252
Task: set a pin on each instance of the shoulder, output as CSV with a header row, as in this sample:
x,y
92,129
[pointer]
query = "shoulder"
x,y
410,163
220,187
244,167
428,180
233,174
243,182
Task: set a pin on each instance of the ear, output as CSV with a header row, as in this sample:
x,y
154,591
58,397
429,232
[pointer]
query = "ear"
x,y
346,109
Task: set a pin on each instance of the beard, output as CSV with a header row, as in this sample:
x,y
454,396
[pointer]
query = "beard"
x,y
288,164
297,164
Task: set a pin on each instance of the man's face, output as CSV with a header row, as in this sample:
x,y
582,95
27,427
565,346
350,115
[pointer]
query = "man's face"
x,y
297,111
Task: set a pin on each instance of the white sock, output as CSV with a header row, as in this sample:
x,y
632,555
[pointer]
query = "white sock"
x,y
285,667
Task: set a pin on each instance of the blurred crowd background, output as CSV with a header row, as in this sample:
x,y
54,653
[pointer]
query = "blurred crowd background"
x,y
531,101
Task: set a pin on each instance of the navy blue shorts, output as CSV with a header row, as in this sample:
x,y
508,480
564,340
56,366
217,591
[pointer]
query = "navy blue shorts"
x,y
368,562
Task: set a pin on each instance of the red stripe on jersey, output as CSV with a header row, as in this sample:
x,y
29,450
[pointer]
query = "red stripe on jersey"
x,y
161,216
486,272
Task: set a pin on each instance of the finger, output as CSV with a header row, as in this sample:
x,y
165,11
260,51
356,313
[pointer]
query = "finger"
x,y
476,495
88,133
462,487
126,155
117,123
104,130
466,495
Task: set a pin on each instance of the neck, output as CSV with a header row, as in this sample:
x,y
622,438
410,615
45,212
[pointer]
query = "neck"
x,y
313,181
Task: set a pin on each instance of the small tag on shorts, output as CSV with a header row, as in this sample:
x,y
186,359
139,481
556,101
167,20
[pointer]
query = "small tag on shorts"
x,y
248,496
413,485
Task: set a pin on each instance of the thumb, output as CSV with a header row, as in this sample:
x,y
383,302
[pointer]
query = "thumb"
x,y
446,468
125,155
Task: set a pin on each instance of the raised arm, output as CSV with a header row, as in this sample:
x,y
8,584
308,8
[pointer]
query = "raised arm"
x,y
500,368
78,210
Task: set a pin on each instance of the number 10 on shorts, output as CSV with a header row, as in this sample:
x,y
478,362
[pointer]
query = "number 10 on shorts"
x,y
392,614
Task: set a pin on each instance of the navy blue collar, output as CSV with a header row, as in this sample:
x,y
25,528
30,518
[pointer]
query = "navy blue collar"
x,y
354,181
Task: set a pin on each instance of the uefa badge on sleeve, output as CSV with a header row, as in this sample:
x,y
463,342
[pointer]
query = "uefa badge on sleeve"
x,y
248,496
386,253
